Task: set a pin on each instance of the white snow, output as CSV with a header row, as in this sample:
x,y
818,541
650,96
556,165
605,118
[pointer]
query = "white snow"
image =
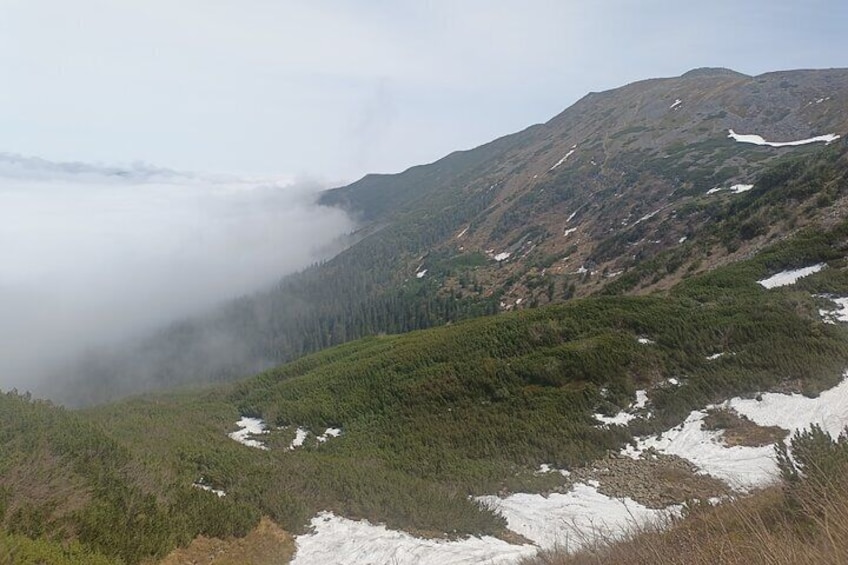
x,y
462,233
249,427
797,412
570,231
339,541
744,468
838,315
621,419
502,256
714,356
647,216
758,140
785,278
735,189
739,188
645,341
624,417
570,520
682,239
299,437
548,468
561,161
420,274
201,485
571,217
677,103
673,382
328,433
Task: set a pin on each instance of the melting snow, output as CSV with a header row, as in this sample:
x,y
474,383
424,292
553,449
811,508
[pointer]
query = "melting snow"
x,y
420,274
328,433
249,427
299,437
785,278
645,341
744,468
838,315
647,216
339,541
561,161
570,231
682,239
758,140
502,256
201,485
735,189
623,418
570,520
677,103
714,356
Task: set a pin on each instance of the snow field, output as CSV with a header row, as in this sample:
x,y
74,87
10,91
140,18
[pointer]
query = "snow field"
x,y
758,140
785,278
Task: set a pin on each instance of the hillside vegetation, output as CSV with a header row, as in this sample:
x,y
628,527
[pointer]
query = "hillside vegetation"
x,y
427,418
619,182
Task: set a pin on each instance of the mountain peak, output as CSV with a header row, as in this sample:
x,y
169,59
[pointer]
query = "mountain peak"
x,y
712,72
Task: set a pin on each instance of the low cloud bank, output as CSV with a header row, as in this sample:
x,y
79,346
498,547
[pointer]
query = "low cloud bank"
x,y
92,255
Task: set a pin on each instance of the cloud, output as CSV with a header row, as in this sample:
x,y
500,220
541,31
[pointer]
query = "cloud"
x,y
98,254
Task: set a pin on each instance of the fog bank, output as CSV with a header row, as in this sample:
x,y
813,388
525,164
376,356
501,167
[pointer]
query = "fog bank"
x,y
92,255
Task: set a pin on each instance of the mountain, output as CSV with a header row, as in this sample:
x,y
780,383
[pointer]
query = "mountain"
x,y
695,318
626,191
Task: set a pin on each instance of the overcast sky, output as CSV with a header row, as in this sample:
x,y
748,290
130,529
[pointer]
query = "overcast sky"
x,y
335,89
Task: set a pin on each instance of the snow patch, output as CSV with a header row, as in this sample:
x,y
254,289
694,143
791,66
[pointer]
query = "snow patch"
x,y
328,433
571,217
420,274
462,233
735,189
645,341
570,231
249,427
502,256
714,356
338,541
785,278
838,315
682,239
758,140
202,485
561,161
299,437
745,468
647,217
677,103
571,520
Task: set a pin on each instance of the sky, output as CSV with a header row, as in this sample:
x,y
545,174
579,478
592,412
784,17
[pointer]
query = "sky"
x,y
160,157
336,89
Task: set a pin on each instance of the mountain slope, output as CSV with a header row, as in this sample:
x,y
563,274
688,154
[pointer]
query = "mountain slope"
x,y
624,192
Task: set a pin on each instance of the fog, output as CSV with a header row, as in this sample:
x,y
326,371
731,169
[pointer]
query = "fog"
x,y
94,255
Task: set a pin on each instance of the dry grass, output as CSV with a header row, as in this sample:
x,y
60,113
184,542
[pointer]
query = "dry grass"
x,y
776,526
267,544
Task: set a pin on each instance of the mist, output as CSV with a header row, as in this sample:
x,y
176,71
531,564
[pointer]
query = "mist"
x,y
93,255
